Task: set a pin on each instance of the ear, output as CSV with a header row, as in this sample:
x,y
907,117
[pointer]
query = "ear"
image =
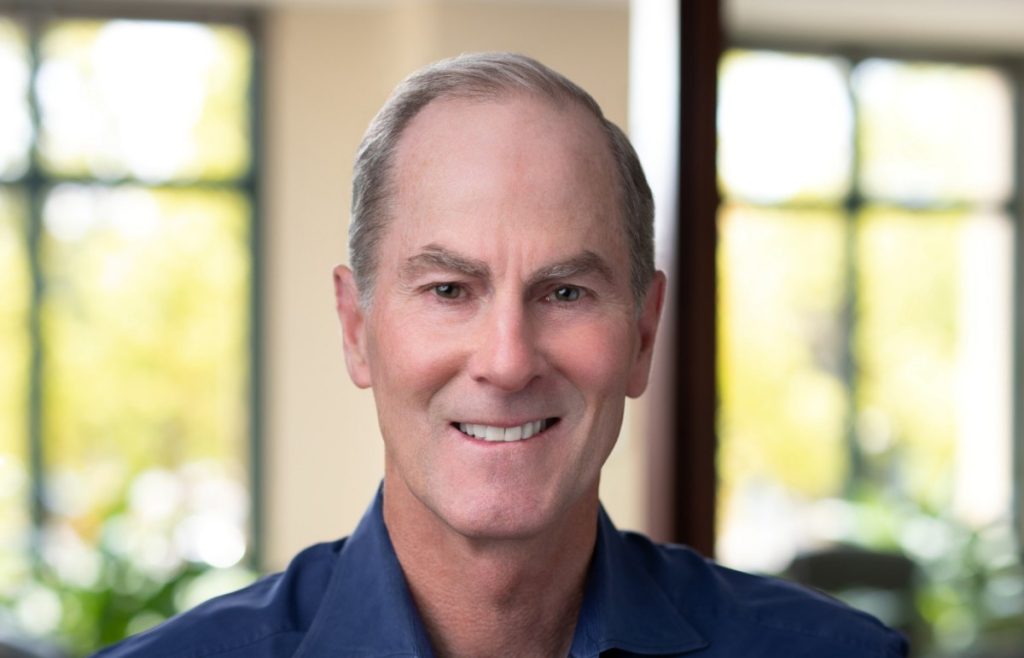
x,y
647,331
353,326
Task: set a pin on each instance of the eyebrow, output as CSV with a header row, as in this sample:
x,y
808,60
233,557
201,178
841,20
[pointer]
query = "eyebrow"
x,y
584,263
434,256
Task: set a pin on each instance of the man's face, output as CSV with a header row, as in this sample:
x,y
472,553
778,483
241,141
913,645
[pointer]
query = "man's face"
x,y
503,335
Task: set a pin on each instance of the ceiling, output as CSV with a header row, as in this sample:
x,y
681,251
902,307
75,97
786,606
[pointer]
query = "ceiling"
x,y
987,26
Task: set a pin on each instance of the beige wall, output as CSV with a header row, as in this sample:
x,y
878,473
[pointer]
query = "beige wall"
x,y
328,70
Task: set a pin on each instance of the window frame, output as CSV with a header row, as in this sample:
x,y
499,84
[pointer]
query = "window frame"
x,y
34,183
1012,66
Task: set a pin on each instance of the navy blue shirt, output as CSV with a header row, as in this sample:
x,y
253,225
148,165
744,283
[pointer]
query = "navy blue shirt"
x,y
349,599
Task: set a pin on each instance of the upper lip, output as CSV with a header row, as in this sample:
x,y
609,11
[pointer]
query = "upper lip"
x,y
505,424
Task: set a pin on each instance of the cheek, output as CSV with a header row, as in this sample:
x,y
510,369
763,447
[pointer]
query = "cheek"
x,y
409,362
408,370
596,357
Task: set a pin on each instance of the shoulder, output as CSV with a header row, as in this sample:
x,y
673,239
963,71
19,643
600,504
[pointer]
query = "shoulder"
x,y
268,618
754,616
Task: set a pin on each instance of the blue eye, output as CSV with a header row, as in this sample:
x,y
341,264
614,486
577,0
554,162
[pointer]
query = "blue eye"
x,y
448,290
566,294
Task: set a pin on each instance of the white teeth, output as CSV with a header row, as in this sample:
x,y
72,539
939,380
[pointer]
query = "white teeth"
x,y
491,433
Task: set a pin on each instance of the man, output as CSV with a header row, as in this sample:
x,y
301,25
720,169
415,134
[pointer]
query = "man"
x,y
502,303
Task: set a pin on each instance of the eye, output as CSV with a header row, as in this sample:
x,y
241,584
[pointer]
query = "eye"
x,y
448,290
566,294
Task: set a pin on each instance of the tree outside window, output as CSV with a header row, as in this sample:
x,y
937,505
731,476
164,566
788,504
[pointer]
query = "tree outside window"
x,y
127,206
866,324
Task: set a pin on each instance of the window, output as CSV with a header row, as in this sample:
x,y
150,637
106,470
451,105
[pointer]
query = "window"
x,y
127,375
866,316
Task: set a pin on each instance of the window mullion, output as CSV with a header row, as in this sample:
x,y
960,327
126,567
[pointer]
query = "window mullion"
x,y
36,371
853,204
252,186
1016,214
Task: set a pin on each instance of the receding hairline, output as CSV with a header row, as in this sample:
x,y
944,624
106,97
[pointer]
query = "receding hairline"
x,y
493,78
590,129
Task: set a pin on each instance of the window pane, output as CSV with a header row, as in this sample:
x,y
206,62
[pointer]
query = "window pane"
x,y
146,99
784,126
783,403
15,283
934,349
145,323
935,131
916,457
15,124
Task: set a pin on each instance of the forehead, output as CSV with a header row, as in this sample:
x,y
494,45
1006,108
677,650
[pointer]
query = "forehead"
x,y
512,163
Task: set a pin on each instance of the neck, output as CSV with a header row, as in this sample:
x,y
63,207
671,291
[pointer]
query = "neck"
x,y
492,597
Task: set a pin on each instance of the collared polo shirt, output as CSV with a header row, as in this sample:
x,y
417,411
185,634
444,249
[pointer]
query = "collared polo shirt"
x,y
349,599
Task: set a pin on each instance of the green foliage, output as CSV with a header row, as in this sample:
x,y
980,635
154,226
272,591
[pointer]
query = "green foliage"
x,y
971,594
143,299
145,566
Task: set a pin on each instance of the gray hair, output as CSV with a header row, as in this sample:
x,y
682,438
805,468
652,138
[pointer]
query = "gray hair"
x,y
483,76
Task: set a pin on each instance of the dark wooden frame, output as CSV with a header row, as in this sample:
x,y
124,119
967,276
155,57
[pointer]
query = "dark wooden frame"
x,y
683,480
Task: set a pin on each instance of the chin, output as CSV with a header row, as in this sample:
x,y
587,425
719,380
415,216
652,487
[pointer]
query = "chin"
x,y
499,515
498,527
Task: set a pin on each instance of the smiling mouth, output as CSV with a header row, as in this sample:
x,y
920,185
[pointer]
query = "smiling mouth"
x,y
506,434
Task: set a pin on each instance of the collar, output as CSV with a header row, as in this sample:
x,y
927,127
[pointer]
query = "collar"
x,y
625,608
367,609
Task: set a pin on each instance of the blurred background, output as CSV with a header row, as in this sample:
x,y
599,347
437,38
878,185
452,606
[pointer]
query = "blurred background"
x,y
175,418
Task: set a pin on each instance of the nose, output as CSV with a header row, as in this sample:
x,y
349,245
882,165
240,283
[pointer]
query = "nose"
x,y
506,354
